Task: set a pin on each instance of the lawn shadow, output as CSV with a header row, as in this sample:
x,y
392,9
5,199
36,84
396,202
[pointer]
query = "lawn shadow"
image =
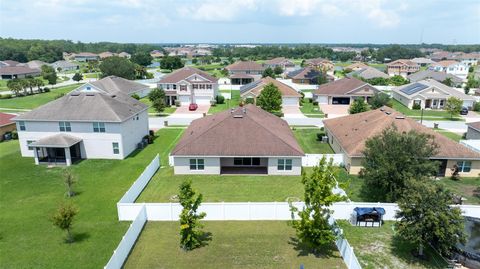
x,y
304,250
367,194
205,239
406,252
79,237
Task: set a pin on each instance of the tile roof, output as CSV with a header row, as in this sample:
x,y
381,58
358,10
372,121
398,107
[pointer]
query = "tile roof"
x,y
357,65
352,131
343,87
6,119
86,54
253,132
256,87
278,60
57,141
446,63
113,84
245,66
185,72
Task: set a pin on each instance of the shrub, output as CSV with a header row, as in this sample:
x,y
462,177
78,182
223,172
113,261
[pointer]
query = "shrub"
x,y
136,96
5,96
310,100
319,136
220,99
14,134
249,100
213,102
476,107
416,106
46,89
177,103
315,103
278,113
151,132
59,95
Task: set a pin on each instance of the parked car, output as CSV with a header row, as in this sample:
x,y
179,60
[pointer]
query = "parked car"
x,y
192,107
464,111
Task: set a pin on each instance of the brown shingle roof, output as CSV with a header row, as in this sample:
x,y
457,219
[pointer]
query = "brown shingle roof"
x,y
352,131
278,60
402,62
255,133
18,70
185,72
474,125
245,66
343,87
284,89
358,65
304,73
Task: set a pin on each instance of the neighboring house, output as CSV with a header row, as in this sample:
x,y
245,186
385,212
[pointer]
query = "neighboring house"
x,y
114,84
367,73
321,64
10,63
106,54
473,131
438,76
244,72
290,97
283,62
156,54
307,75
470,59
245,140
356,66
189,85
422,61
402,67
83,125
451,67
343,91
429,94
65,66
6,124
86,57
124,54
36,64
12,72
347,135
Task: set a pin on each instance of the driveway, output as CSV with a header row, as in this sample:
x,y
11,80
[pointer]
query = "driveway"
x,y
183,110
292,112
471,117
334,111
452,126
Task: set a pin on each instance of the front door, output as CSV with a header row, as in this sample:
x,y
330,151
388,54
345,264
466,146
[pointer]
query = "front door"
x,y
428,103
442,166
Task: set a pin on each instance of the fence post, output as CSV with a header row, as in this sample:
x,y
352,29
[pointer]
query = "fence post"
x,y
171,211
350,258
275,210
223,210
249,212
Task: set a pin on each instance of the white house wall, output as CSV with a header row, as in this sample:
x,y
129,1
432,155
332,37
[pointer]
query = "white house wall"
x,y
182,166
296,166
290,101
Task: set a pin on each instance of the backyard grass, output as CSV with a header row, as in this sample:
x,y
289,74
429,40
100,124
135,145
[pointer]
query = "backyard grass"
x,y
454,136
167,111
309,110
91,75
36,100
467,187
233,102
30,194
3,85
380,248
233,244
435,114
307,138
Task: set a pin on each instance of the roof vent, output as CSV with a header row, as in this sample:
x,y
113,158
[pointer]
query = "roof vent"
x,y
113,96
238,116
382,109
75,94
400,117
90,94
388,112
244,111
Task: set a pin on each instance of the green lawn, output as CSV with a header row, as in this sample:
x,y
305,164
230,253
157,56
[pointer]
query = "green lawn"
x,y
3,85
434,114
307,138
167,111
30,194
228,103
380,248
36,100
454,136
468,187
233,244
91,75
309,110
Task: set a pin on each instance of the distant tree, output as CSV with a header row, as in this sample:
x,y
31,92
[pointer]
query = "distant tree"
x,y
25,85
303,63
380,99
448,82
59,69
49,74
171,63
63,219
378,81
268,72
190,233
14,86
322,78
278,70
157,97
393,158
359,105
77,77
70,181
142,58
31,83
453,106
313,228
38,83
117,66
397,80
473,83
466,89
270,98
194,61
140,71
426,217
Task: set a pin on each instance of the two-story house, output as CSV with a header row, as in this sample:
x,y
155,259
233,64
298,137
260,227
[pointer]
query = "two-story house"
x,y
189,85
451,67
83,125
244,72
282,62
402,67
321,64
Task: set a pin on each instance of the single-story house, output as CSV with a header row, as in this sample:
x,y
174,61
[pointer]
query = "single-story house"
x,y
356,66
65,66
402,67
114,84
244,72
422,61
12,72
343,91
283,62
368,73
243,140
36,64
86,57
124,54
307,75
83,125
473,130
6,124
347,135
157,54
106,54
290,97
436,75
429,94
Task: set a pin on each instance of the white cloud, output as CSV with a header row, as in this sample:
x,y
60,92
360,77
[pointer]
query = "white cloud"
x,y
298,7
217,11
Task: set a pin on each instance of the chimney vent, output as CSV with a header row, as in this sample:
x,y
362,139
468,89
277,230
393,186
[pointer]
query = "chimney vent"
x,y
400,117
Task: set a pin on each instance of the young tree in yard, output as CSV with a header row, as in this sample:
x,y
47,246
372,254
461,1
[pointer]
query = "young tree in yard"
x,y
453,106
448,82
268,72
270,99
63,219
359,105
190,233
278,70
322,78
77,77
49,74
380,99
393,158
313,228
397,80
157,97
426,218
142,58
69,180
117,66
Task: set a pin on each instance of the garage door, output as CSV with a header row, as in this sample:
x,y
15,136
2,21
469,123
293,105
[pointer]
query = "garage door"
x,y
322,99
340,100
202,100
290,101
184,99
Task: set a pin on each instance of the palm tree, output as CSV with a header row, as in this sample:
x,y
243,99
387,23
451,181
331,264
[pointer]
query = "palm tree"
x,y
39,83
14,86
30,83
24,84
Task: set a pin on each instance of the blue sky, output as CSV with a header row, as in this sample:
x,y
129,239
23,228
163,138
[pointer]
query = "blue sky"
x,y
244,21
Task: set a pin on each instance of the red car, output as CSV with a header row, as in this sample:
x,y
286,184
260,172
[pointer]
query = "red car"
x,y
192,107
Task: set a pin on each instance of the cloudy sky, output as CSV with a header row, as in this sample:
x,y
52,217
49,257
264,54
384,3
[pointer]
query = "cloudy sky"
x,y
244,21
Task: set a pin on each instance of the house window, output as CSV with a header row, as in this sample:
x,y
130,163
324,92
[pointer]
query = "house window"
x,y
21,126
195,86
116,149
99,127
284,164
209,86
246,161
65,126
464,166
183,87
197,164
442,102
174,86
28,144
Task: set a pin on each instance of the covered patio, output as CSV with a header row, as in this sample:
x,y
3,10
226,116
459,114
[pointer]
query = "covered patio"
x,y
241,79
244,166
59,149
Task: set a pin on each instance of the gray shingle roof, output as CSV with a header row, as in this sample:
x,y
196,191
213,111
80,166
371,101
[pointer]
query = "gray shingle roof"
x,y
368,73
113,84
57,141
438,76
78,106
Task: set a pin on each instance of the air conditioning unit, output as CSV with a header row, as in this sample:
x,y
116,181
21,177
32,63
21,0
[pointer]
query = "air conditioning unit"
x,y
325,139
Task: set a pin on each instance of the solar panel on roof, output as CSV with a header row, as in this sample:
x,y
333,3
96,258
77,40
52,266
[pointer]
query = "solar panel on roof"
x,y
249,86
414,88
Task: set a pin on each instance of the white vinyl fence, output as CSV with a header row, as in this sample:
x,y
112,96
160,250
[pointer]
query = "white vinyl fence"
x,y
310,160
347,254
137,187
121,253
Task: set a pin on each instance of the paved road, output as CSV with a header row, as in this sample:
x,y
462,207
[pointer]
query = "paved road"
x,y
452,126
